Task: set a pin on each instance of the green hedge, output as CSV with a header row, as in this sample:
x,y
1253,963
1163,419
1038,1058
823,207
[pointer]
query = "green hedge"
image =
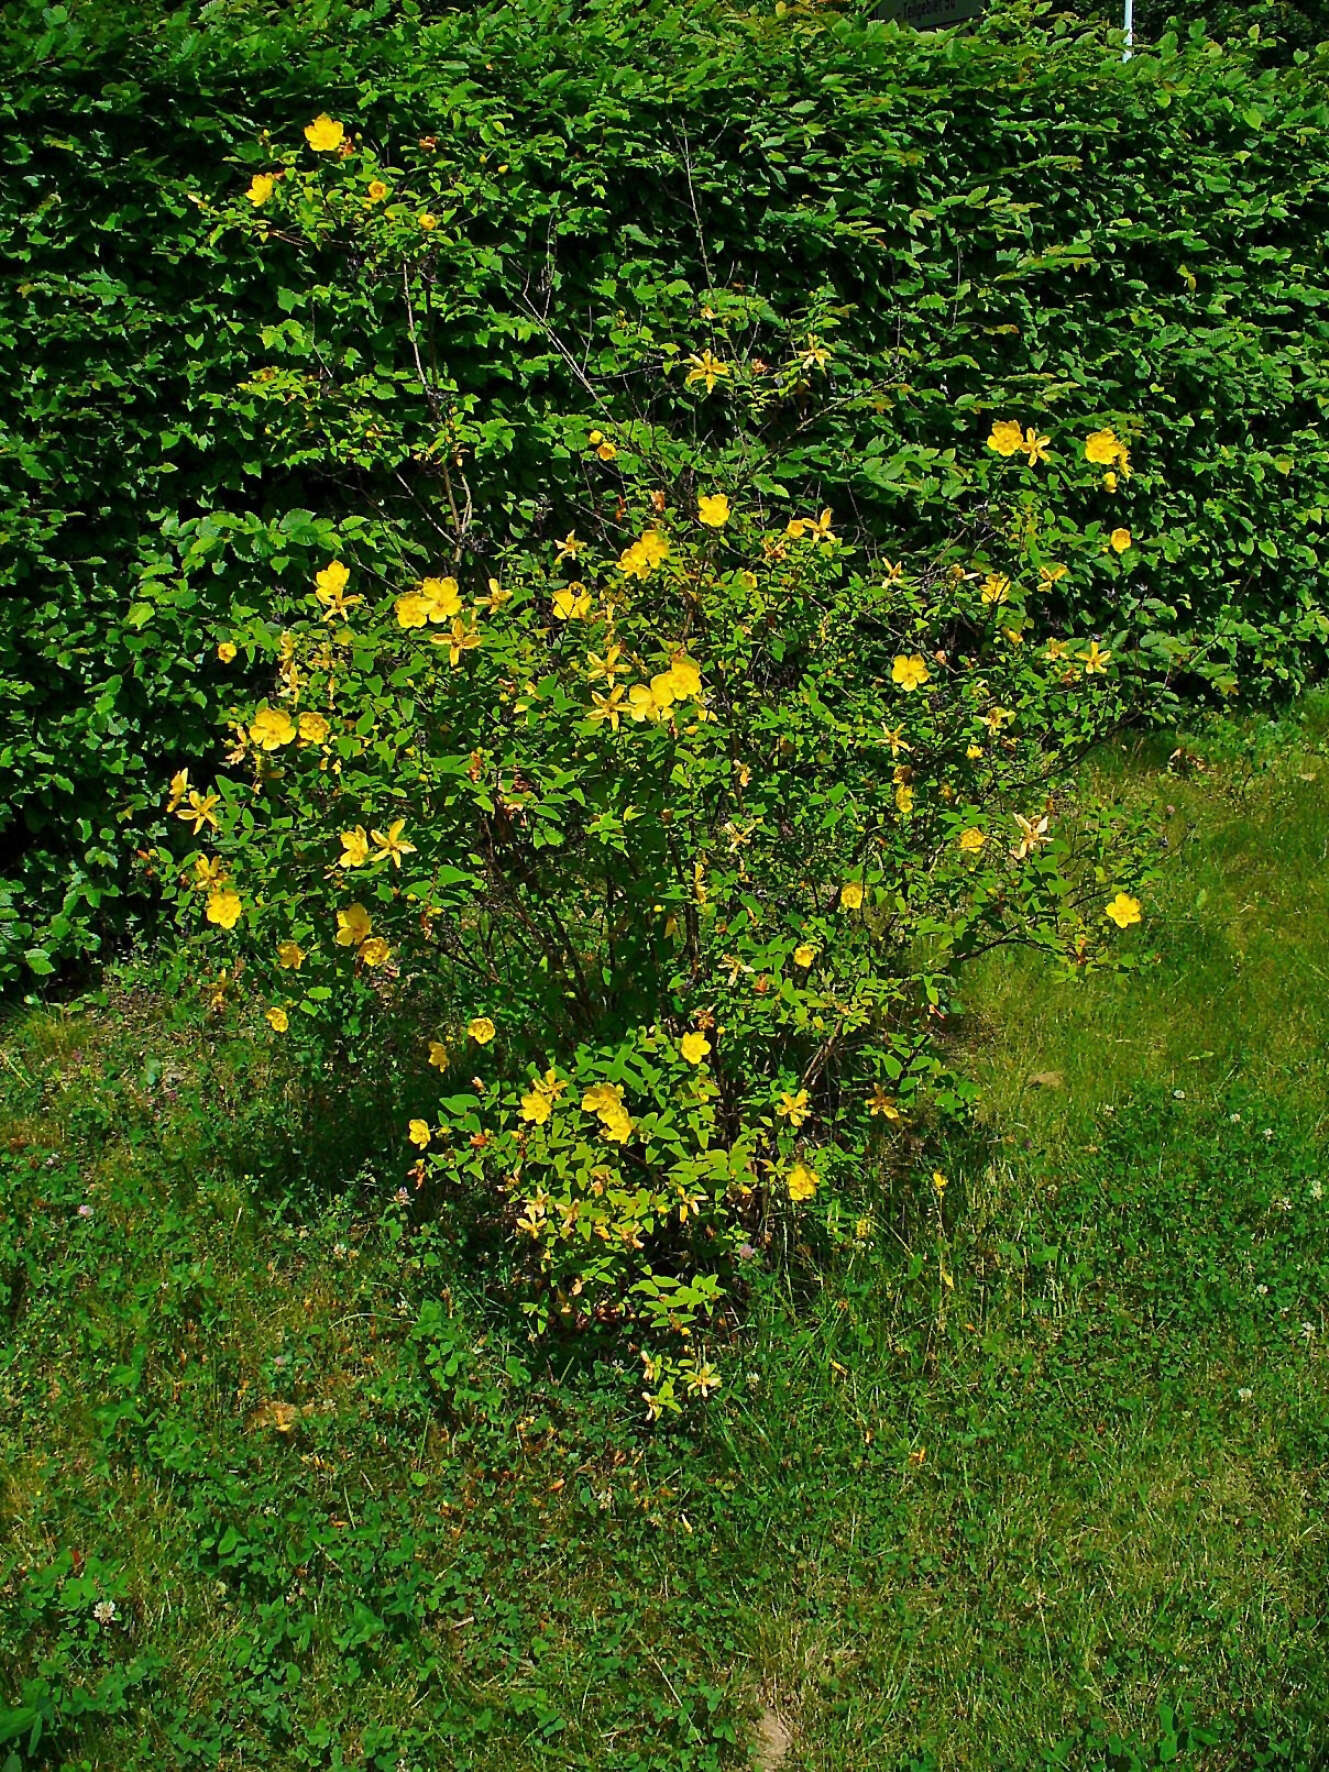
x,y
1003,224
1284,26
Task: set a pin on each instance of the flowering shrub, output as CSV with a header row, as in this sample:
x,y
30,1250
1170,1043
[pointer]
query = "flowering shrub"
x,y
691,818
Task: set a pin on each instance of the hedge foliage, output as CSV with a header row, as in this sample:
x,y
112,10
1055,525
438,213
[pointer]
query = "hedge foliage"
x,y
1283,26
1002,224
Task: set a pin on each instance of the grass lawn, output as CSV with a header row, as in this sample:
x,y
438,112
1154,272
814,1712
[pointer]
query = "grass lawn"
x,y
1030,1472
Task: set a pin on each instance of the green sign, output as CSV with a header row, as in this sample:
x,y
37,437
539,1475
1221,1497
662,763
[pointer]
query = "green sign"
x,y
931,15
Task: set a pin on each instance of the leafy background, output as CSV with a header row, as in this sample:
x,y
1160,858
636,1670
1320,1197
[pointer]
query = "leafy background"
x,y
1010,221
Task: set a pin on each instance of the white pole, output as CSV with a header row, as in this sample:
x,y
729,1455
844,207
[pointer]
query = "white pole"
x,y
1128,26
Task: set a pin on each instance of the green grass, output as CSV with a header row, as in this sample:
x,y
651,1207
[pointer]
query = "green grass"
x,y
1067,1510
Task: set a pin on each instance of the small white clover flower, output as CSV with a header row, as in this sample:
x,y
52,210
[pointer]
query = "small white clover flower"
x,y
104,1611
1245,1394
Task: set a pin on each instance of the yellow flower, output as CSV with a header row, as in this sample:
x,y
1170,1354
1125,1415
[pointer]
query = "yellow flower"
x,y
224,908
392,844
201,810
1110,481
654,546
1096,661
481,1030
894,736
1123,910
804,954
271,728
536,1107
796,528
706,369
377,190
973,752
684,678
694,1047
602,1099
1057,650
569,547
1035,447
261,187
713,510
644,704
226,651
353,926
819,528
441,598
572,603
427,222
904,798
617,1127
438,1055
879,1103
802,1182
605,1100
1121,540
793,1106
179,788
634,561
314,729
458,640
607,667
208,872
497,596
972,840
1006,437
996,587
532,1220
277,1019
331,581
1033,834
607,707
662,688
703,1379
355,848
997,717
290,955
851,896
412,610
324,135
1048,575
375,951
1104,448
910,671
330,589
606,450
418,1133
